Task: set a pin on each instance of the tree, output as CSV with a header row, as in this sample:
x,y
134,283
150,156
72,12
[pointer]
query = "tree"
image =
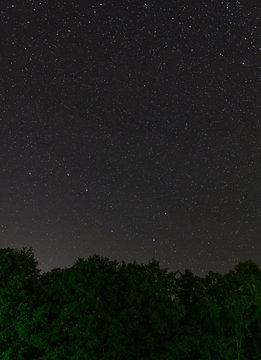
x,y
18,278
243,306
100,310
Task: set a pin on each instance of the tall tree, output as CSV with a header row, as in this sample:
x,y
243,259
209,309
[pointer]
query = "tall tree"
x,y
243,306
18,279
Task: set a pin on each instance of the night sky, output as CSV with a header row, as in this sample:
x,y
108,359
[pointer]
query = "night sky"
x,y
131,129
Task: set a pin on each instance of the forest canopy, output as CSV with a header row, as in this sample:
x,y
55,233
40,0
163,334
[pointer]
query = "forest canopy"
x,y
99,309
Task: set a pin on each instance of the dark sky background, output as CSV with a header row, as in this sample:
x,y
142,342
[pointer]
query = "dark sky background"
x,y
131,129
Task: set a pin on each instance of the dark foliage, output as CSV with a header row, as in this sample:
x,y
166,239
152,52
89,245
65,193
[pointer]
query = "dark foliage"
x,y
101,310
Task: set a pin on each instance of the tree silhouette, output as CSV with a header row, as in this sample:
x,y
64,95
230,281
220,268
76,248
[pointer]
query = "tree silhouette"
x,y
102,310
18,278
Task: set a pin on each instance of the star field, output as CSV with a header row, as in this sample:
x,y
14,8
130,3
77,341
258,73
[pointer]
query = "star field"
x,y
132,130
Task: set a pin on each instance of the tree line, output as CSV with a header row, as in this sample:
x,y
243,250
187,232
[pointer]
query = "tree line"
x,y
102,310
